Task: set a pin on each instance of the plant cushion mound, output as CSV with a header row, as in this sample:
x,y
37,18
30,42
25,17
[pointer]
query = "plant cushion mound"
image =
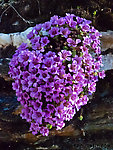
x,y
55,74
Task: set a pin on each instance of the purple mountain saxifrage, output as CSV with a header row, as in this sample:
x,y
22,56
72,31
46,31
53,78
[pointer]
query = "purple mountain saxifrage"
x,y
54,76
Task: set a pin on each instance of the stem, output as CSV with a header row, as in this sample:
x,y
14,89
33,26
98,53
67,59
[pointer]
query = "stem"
x,y
3,13
26,21
39,7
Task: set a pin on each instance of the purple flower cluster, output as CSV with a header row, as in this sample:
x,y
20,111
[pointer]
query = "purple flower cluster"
x,y
54,76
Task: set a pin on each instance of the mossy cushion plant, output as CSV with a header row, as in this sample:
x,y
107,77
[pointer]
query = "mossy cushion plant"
x,y
54,76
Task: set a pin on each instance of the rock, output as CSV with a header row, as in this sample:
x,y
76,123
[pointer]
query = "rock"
x,y
14,39
107,40
107,62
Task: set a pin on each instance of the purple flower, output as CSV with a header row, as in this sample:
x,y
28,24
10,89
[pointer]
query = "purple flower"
x,y
59,111
69,17
26,96
73,98
47,113
37,116
16,85
35,92
51,108
91,87
85,27
97,50
56,59
25,85
46,25
83,100
13,63
25,74
42,83
94,45
73,67
37,46
102,74
61,21
70,112
31,79
60,125
71,42
23,56
33,70
54,31
50,80
44,41
35,40
84,50
37,28
50,54
54,69
68,78
67,90
88,69
44,75
78,60
72,23
47,89
56,93
48,97
36,104
61,74
92,36
44,131
57,99
48,62
87,41
23,47
77,89
64,54
79,78
54,20
30,35
34,128
65,32
97,66
87,21
25,112
78,41
50,121
79,20
34,62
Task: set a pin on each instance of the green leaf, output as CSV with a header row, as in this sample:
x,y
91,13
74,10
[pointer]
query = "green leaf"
x,y
80,118
49,126
95,74
80,37
81,54
94,13
64,61
73,81
78,7
82,92
74,53
65,47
